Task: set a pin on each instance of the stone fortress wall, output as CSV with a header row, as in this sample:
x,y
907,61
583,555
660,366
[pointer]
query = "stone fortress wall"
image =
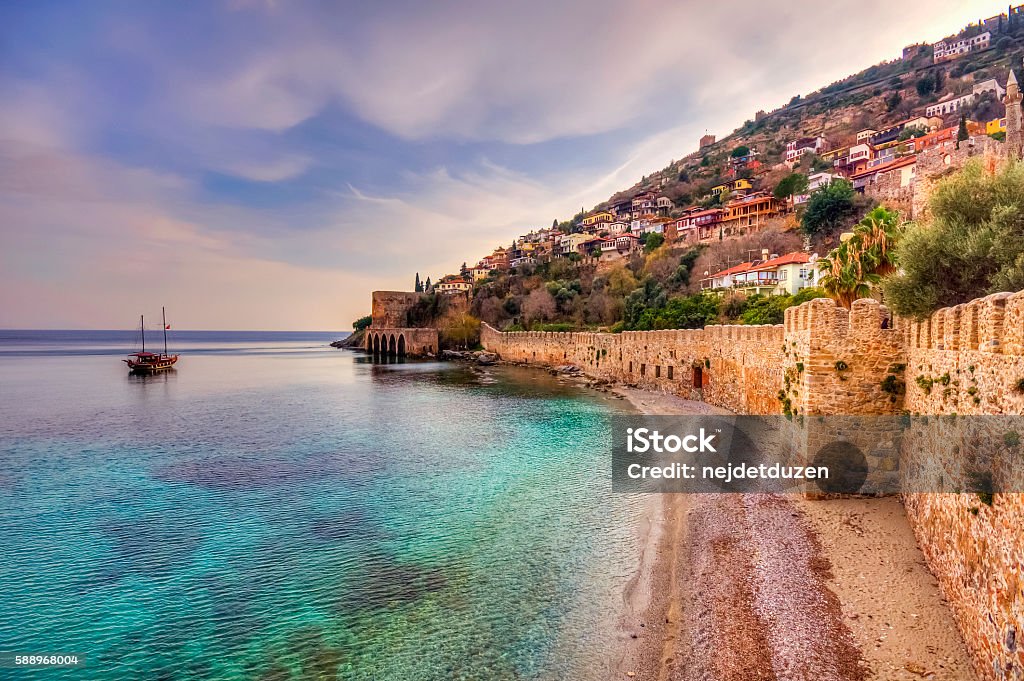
x,y
825,360
389,332
969,360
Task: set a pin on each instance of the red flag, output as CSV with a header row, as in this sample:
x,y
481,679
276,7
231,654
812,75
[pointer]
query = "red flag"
x,y
167,326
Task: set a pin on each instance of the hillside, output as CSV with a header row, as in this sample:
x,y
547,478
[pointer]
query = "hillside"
x,y
776,193
877,97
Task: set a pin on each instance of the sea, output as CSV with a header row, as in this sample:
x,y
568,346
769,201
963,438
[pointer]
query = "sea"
x,y
277,509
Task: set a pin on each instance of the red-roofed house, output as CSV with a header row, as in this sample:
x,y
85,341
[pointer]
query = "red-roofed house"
x,y
897,173
456,285
774,275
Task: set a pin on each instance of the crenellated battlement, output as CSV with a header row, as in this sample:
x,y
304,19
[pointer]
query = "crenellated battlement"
x,y
866,318
994,323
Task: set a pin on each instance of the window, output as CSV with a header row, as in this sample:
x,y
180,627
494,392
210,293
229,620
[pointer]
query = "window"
x,y
783,275
804,274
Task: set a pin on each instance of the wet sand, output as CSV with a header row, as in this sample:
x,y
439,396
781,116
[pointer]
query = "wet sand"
x,y
735,587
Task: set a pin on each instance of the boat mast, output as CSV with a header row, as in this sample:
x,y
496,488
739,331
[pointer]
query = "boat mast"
x,y
163,312
142,331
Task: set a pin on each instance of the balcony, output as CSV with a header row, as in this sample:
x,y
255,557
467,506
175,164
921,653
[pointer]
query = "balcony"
x,y
763,279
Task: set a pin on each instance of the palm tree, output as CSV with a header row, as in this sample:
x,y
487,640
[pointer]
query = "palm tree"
x,y
858,264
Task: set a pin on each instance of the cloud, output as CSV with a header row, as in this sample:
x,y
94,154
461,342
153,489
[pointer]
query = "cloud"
x,y
285,168
479,121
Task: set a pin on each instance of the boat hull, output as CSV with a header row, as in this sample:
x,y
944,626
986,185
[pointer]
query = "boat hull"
x,y
151,367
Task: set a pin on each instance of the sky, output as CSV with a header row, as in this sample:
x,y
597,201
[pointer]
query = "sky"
x,y
266,164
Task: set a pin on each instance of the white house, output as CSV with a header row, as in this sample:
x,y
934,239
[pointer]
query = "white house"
x,y
570,242
953,49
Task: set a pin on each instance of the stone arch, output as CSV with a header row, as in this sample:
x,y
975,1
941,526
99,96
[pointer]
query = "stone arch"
x,y
401,345
376,343
392,345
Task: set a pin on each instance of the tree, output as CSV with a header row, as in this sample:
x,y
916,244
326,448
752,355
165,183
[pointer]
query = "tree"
x,y
464,271
911,132
427,288
893,100
794,183
539,306
925,85
970,244
961,133
362,323
828,207
419,285
554,224
856,267
459,329
741,151
621,281
653,241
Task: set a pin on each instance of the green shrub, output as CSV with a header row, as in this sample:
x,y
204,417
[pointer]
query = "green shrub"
x,y
972,244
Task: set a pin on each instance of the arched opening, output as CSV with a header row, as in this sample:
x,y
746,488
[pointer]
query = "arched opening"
x,y
376,344
698,377
392,345
401,345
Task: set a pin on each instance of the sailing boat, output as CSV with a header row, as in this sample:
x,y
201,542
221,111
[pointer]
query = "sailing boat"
x,y
143,362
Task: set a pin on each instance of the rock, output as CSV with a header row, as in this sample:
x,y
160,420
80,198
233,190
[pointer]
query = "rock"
x,y
915,668
486,358
452,354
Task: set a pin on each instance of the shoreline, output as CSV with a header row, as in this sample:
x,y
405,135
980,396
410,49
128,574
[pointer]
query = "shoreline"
x,y
748,587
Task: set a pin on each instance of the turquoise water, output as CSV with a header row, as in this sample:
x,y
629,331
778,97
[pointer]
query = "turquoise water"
x,y
278,509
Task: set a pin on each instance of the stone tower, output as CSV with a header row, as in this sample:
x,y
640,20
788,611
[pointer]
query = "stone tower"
x,y
1013,118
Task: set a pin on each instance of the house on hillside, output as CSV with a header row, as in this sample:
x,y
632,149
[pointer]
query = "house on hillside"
x,y
452,284
597,218
897,174
944,50
737,187
643,204
815,181
855,160
949,104
749,213
939,138
569,243
771,275
995,125
805,145
699,225
622,209
865,134
627,243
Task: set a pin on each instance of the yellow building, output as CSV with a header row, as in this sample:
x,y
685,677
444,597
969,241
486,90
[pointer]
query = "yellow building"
x,y
596,218
995,125
737,185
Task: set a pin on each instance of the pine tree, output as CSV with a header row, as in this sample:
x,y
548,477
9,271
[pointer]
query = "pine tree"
x,y
961,134
554,224
427,288
464,271
419,285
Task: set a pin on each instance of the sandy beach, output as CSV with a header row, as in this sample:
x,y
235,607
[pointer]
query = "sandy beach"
x,y
738,587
